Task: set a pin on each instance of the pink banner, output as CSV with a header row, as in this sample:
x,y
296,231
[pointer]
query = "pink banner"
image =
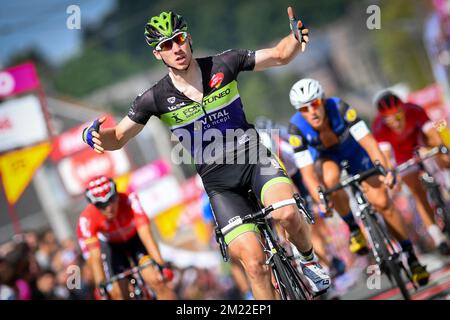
x,y
18,79
431,99
147,174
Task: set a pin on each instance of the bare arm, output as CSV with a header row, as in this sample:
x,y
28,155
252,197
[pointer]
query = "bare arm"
x,y
371,146
284,51
311,181
116,137
149,242
95,262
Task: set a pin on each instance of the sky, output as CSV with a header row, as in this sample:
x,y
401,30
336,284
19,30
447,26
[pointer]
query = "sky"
x,y
42,24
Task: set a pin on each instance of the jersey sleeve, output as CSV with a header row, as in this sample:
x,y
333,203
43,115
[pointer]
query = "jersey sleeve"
x,y
358,128
302,155
140,217
239,60
143,107
87,232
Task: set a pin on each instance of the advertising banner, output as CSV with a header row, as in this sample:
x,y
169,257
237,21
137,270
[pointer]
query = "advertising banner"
x,y
22,123
18,79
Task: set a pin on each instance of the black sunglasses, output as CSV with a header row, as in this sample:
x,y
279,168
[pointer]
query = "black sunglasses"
x,y
104,205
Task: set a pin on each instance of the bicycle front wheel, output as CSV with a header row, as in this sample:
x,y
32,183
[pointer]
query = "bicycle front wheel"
x,y
288,282
392,264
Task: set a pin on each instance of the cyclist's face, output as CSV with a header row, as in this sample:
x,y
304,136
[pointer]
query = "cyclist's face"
x,y
395,121
177,56
314,113
110,211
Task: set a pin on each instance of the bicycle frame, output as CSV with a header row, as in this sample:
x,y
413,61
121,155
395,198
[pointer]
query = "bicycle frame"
x,y
383,249
430,183
270,244
365,210
140,287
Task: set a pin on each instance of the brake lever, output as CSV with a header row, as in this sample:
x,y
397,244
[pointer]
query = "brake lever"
x,y
323,198
380,168
301,205
220,240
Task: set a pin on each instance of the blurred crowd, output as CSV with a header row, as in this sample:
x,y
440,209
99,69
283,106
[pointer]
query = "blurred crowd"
x,y
36,266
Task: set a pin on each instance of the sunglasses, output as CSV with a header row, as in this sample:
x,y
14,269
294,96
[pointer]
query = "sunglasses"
x,y
316,103
104,205
393,118
179,39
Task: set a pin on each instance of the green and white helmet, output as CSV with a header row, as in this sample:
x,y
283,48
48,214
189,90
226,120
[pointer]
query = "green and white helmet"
x,y
159,28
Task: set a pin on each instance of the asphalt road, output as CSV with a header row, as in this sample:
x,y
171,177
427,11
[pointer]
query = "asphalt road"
x,y
356,283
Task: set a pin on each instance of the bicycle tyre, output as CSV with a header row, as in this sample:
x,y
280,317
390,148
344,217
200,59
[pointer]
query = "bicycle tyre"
x,y
442,210
286,279
392,265
300,282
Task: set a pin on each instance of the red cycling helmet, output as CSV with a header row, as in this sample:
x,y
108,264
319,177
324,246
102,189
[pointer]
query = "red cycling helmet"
x,y
388,103
100,190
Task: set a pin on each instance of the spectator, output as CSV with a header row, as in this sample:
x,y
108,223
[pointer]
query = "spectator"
x,y
46,285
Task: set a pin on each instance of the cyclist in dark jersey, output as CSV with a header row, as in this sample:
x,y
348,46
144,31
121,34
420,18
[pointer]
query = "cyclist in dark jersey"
x,y
199,101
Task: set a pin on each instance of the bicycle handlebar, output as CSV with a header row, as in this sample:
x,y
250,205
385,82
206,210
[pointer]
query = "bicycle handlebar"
x,y
264,212
419,159
357,178
131,271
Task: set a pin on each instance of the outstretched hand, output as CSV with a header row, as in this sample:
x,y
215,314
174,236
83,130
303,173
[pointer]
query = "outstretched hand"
x,y
301,33
91,135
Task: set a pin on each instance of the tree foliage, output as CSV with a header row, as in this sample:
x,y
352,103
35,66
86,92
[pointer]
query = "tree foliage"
x,y
399,43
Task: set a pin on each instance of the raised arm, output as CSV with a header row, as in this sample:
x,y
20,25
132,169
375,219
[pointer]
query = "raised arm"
x,y
286,49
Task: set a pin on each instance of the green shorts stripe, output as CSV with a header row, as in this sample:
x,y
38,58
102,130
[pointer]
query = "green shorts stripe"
x,y
236,232
271,182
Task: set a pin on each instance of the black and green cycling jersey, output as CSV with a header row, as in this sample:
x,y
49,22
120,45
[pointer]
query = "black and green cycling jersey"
x,y
221,109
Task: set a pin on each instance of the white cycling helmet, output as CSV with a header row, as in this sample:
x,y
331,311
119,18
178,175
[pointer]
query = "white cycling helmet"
x,y
304,91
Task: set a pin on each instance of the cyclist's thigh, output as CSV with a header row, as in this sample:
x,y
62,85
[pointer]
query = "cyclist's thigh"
x,y
330,172
247,248
140,257
376,191
138,250
228,205
227,188
412,180
120,289
268,177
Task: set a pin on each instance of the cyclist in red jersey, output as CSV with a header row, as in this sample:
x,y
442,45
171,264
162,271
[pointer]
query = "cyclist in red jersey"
x,y
115,225
402,127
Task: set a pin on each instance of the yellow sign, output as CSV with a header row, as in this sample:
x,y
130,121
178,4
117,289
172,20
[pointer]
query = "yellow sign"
x,y
351,115
122,182
17,169
295,141
167,222
203,232
444,132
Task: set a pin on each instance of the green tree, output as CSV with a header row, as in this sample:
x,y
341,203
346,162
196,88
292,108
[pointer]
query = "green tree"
x,y
399,43
93,69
